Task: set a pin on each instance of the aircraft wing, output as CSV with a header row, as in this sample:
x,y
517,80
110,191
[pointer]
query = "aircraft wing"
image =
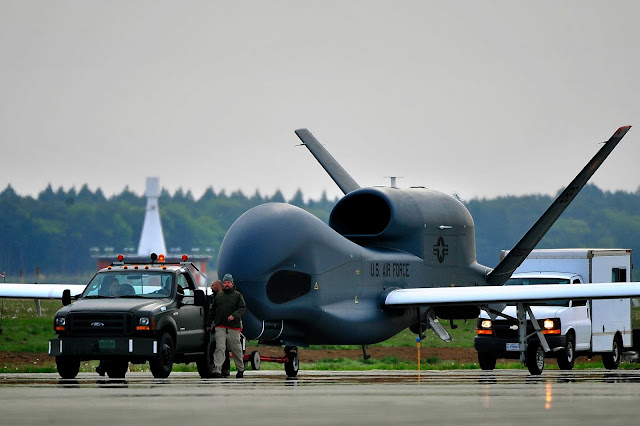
x,y
521,250
339,175
38,291
439,296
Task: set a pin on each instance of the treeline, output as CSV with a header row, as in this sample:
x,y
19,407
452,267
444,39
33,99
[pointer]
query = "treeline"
x,y
57,231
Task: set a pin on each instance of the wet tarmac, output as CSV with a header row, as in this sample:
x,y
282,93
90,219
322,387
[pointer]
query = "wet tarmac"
x,y
500,397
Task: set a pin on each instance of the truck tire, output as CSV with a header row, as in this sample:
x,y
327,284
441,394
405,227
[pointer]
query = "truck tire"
x,y
611,360
162,365
486,360
205,365
117,369
68,366
535,358
567,357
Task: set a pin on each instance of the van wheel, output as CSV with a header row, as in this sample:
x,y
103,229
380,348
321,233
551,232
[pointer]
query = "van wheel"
x,y
68,366
486,360
535,359
567,357
611,360
162,365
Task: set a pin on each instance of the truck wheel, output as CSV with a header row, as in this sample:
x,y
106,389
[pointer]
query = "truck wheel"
x,y
486,360
254,358
567,357
205,365
535,359
161,365
117,369
68,366
611,360
292,365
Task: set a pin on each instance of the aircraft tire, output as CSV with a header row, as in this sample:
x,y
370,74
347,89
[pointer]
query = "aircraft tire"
x,y
535,359
162,365
254,359
611,360
567,357
117,369
486,360
292,366
68,366
205,364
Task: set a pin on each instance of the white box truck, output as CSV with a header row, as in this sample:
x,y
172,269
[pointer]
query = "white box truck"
x,y
571,327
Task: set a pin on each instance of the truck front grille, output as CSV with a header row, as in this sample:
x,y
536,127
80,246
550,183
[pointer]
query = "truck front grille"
x,y
95,324
504,329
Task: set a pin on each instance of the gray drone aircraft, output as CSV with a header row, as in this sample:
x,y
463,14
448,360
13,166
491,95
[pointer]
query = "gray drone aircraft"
x,y
389,258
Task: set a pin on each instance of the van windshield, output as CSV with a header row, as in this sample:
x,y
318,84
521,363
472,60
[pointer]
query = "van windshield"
x,y
540,281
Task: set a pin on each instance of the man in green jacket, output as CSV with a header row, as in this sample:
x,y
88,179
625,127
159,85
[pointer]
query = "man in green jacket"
x,y
228,307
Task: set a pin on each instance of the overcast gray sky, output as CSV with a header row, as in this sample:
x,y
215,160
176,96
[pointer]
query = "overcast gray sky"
x,y
479,98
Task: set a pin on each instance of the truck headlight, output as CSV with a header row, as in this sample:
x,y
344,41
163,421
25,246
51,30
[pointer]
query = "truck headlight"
x,y
143,324
59,324
551,326
484,326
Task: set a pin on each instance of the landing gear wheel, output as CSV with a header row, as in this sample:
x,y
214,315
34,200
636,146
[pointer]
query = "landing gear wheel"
x,y
535,359
117,369
567,357
611,360
68,366
486,360
292,365
205,364
254,359
161,365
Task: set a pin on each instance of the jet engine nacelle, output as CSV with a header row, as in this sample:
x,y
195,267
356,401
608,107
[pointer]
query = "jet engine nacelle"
x,y
411,220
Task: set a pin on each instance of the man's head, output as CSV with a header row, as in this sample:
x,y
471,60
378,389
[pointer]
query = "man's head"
x,y
114,287
227,281
216,286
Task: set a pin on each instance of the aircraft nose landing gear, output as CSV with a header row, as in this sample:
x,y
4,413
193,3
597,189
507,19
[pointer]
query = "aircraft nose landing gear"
x,y
292,364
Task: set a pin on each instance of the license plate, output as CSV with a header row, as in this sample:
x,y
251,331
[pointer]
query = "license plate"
x,y
107,344
513,347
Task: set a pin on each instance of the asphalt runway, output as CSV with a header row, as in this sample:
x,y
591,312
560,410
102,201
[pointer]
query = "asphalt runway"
x,y
501,397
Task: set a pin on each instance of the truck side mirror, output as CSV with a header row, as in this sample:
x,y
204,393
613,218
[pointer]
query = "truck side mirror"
x,y
199,298
66,297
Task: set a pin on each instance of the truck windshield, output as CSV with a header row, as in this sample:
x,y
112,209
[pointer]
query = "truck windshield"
x,y
540,281
152,285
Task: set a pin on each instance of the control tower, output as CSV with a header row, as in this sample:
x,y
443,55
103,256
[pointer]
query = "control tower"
x,y
152,238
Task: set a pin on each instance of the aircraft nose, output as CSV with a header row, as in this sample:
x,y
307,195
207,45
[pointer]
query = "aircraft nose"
x,y
273,237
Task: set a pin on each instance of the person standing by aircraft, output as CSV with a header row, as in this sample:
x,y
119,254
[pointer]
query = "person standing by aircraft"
x,y
216,287
229,306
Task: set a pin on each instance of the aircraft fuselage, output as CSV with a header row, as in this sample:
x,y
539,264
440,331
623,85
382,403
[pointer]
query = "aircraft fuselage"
x,y
306,282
